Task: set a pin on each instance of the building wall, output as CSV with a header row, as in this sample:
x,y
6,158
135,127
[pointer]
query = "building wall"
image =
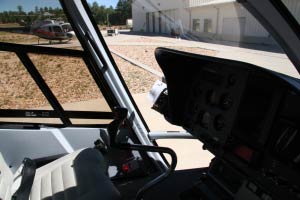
x,y
294,8
229,20
172,15
139,16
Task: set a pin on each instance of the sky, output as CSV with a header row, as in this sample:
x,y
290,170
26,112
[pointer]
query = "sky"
x,y
107,3
29,5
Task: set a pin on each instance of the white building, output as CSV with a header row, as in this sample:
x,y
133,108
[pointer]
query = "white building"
x,y
205,19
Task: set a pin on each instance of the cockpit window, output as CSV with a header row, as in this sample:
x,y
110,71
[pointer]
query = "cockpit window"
x,y
45,77
223,29
18,90
57,29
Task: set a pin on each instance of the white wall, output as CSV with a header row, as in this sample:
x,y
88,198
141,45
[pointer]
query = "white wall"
x,y
225,17
294,8
138,16
232,16
171,12
202,13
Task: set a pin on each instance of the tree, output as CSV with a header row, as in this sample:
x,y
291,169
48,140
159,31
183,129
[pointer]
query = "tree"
x,y
29,17
124,10
20,9
46,9
111,16
36,9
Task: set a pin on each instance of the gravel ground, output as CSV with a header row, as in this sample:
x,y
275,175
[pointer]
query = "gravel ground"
x,y
145,54
69,79
137,79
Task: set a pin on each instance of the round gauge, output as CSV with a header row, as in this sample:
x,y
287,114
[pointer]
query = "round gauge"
x,y
232,79
226,101
211,97
219,122
197,92
204,119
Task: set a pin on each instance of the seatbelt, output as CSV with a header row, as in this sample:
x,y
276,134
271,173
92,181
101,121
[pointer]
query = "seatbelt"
x,y
28,173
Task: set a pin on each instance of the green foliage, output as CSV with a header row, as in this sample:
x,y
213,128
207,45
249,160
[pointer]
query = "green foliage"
x,y
102,14
19,15
110,16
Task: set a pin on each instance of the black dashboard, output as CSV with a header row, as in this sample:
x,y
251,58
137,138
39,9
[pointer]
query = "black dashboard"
x,y
247,116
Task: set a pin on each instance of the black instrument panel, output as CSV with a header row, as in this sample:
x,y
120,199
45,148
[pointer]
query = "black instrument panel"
x,y
247,116
213,103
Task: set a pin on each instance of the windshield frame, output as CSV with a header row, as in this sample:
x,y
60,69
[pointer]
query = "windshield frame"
x,y
59,112
102,58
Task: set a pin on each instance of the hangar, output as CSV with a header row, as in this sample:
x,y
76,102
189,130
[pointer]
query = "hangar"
x,y
205,20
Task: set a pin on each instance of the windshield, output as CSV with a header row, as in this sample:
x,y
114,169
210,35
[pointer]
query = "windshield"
x,y
217,28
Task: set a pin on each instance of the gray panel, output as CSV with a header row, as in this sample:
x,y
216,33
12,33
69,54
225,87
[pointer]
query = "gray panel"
x,y
17,144
81,137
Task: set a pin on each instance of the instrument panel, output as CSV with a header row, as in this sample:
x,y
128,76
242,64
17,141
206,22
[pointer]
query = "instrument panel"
x,y
247,116
213,103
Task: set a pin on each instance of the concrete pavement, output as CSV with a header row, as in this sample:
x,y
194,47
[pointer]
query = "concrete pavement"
x,y
267,59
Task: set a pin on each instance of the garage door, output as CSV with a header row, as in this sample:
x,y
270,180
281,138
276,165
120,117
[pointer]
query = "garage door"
x,y
157,22
233,29
151,22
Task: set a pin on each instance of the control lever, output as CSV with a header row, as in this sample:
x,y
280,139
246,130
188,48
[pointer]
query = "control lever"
x,y
120,115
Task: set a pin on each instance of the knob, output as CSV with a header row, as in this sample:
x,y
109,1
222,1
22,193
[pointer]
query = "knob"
x,y
211,97
219,122
226,101
231,80
204,119
197,92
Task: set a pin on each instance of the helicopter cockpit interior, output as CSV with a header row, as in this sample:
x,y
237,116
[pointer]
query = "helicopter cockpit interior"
x,y
245,115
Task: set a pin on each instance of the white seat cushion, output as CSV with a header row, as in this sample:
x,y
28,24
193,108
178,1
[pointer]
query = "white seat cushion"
x,y
79,175
6,180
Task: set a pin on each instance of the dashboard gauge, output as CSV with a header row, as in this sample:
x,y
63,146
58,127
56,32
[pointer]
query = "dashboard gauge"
x,y
204,119
211,97
226,101
219,122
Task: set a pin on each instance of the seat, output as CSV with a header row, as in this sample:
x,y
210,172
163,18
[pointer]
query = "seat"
x,y
6,180
79,175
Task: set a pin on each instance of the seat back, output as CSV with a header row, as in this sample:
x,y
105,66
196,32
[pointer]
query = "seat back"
x,y
6,180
